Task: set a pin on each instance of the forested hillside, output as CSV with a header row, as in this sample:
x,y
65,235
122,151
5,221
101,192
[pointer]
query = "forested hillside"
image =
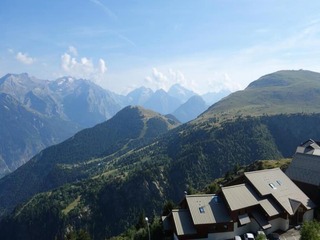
x,y
82,155
186,158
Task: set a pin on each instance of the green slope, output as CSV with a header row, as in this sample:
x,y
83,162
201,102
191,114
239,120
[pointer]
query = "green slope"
x,y
80,156
279,92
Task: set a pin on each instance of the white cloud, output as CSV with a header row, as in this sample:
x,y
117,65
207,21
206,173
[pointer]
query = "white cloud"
x,y
162,80
102,66
24,58
157,80
72,50
83,68
177,77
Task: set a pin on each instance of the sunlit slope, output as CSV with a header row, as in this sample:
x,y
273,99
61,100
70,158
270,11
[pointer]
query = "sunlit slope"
x,y
275,93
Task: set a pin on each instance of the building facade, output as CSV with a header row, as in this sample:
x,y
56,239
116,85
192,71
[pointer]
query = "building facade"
x,y
304,170
264,200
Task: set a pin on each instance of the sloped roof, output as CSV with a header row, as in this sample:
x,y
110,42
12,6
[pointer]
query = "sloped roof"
x,y
167,226
244,219
183,222
239,196
305,168
261,220
274,182
309,147
243,196
207,209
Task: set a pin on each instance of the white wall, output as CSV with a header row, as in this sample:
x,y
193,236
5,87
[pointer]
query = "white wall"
x,y
308,215
253,227
278,224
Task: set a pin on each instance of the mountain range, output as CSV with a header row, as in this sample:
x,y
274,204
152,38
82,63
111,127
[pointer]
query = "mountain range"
x,y
39,113
103,178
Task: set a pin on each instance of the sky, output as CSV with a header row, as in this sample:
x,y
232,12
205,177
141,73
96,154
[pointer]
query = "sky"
x,y
204,45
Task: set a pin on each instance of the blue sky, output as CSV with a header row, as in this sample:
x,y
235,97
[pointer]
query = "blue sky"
x,y
204,45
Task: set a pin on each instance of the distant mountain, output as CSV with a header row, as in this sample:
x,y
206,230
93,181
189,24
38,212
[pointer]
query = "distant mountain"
x,y
76,100
190,109
18,85
213,97
84,102
279,92
181,93
130,128
162,102
39,113
24,132
79,102
139,96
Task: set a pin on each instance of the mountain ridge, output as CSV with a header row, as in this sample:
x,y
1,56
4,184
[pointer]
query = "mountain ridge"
x,y
128,129
110,190
70,101
286,91
190,110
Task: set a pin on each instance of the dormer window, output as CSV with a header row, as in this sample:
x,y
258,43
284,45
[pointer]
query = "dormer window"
x,y
272,186
201,210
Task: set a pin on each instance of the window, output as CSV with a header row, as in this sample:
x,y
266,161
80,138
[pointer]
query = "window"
x,y
272,186
279,182
201,209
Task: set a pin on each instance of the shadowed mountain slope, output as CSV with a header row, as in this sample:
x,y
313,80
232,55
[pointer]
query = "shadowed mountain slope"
x,y
190,109
38,113
24,132
72,159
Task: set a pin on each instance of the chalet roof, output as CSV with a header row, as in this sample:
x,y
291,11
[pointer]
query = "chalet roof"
x,y
261,220
274,182
243,195
167,226
207,209
183,222
239,196
305,168
309,147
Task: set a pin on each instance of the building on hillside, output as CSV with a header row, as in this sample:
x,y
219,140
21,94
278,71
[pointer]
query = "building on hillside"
x,y
304,169
265,200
